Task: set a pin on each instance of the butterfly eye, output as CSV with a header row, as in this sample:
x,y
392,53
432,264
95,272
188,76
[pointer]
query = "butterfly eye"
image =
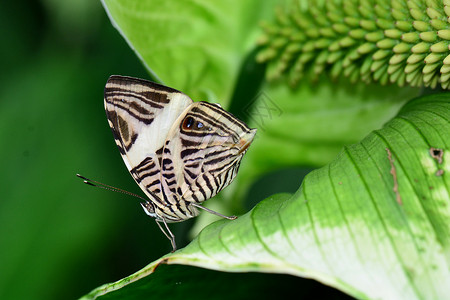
x,y
188,122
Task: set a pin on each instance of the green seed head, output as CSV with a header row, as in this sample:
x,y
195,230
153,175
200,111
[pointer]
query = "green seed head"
x,y
397,41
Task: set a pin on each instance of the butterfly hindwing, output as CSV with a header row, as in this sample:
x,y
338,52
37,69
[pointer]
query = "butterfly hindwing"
x,y
220,159
202,153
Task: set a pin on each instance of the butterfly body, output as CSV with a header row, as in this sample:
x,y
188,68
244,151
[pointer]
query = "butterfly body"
x,y
179,152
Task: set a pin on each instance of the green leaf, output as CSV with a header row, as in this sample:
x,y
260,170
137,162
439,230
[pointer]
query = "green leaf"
x,y
308,126
372,223
197,47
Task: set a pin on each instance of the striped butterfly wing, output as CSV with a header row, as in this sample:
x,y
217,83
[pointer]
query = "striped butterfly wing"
x,y
141,114
201,155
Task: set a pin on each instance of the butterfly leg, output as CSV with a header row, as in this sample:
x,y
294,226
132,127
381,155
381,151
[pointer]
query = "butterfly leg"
x,y
214,212
168,234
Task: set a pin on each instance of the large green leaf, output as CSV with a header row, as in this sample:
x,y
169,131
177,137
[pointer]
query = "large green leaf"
x,y
305,127
194,46
373,222
308,126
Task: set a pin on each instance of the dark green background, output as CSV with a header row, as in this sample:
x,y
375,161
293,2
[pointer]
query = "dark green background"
x,y
60,238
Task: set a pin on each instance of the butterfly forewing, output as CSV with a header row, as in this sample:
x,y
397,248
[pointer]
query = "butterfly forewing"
x,y
140,114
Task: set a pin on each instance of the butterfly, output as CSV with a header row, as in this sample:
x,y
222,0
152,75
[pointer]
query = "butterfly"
x,y
179,152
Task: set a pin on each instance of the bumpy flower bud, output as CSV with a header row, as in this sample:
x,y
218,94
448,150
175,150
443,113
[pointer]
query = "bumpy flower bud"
x,y
397,41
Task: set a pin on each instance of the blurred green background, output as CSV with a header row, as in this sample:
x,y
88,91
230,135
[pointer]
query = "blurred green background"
x,y
60,238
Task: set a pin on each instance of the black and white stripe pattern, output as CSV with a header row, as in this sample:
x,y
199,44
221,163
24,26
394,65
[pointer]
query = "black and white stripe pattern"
x,y
179,152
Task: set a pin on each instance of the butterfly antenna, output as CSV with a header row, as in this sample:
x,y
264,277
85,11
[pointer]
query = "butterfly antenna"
x,y
108,187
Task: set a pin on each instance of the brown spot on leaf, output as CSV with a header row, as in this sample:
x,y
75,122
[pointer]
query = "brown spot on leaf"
x,y
394,176
437,154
